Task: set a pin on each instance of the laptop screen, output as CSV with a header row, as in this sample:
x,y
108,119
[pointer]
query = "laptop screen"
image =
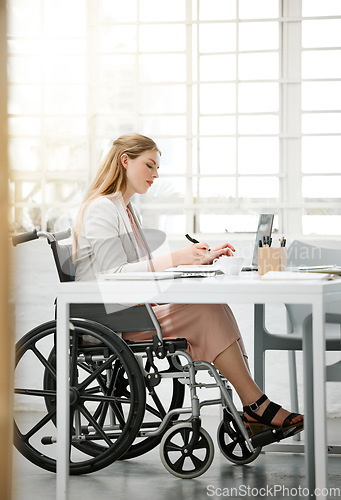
x,y
264,229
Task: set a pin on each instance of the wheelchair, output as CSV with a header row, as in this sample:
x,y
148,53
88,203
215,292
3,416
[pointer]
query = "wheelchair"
x,y
125,397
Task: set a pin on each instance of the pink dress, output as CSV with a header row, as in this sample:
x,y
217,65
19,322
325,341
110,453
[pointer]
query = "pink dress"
x,y
208,328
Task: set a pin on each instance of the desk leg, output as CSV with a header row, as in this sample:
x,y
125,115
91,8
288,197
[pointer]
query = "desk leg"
x,y
319,380
62,400
258,349
309,456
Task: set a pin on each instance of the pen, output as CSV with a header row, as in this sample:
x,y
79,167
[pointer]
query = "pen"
x,y
267,241
192,240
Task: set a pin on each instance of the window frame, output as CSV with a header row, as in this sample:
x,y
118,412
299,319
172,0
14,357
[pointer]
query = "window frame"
x,y
290,203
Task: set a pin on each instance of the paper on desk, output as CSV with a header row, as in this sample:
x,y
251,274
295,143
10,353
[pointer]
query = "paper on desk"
x,y
208,268
138,276
321,269
293,275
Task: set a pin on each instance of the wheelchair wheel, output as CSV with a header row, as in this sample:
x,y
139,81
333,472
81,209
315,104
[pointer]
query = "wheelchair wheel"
x,y
100,411
176,457
232,443
161,399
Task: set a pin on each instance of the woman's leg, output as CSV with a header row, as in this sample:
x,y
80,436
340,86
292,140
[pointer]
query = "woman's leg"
x,y
232,365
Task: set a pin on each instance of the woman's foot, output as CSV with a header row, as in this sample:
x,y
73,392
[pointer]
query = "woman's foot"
x,y
268,414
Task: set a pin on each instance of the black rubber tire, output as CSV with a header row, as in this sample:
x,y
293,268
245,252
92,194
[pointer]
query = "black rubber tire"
x,y
178,460
113,354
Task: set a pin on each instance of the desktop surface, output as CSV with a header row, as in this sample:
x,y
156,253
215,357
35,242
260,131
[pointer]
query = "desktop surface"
x,y
209,289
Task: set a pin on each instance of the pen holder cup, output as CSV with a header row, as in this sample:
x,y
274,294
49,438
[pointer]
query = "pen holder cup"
x,y
271,259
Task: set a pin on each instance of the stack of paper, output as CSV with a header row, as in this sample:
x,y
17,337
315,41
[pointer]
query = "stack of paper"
x,y
321,269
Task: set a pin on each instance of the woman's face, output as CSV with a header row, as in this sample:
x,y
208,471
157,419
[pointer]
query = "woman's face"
x,y
141,171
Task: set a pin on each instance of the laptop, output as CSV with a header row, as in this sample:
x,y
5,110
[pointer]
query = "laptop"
x,y
264,228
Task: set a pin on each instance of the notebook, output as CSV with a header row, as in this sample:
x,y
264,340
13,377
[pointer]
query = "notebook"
x,y
264,229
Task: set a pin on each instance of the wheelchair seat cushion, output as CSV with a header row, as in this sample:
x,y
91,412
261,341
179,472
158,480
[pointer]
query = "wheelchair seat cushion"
x,y
125,319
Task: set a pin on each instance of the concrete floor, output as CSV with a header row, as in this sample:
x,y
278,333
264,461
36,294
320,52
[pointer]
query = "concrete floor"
x,y
145,478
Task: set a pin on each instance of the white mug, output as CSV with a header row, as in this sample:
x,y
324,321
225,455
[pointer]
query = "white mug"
x,y
229,265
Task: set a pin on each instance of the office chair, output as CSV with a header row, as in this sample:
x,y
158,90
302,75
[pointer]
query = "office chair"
x,y
299,254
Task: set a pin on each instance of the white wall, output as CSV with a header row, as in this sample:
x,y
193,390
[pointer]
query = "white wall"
x,y
34,290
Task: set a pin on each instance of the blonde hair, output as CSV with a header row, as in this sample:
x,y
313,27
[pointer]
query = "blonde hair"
x,y
111,176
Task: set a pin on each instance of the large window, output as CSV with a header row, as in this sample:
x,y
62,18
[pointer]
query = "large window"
x,y
321,117
242,97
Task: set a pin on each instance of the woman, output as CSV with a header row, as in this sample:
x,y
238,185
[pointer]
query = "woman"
x,y
108,237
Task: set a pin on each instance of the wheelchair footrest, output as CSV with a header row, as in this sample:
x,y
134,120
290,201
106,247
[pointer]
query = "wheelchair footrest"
x,y
273,435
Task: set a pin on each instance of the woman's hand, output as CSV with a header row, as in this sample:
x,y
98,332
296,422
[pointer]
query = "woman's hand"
x,y
199,254
227,248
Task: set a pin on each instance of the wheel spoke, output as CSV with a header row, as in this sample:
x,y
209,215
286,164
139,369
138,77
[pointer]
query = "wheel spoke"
x,y
39,424
185,432
160,412
109,399
85,367
107,402
101,413
173,447
231,432
102,384
118,413
36,392
201,444
178,465
196,461
245,450
93,390
98,428
96,373
44,361
153,411
231,447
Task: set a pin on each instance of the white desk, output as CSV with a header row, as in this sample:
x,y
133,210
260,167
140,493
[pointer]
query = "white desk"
x,y
217,290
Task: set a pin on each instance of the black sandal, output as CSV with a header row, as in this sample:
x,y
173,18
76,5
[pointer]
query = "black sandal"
x,y
263,422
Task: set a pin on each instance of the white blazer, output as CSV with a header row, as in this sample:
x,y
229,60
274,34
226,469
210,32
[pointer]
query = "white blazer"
x,y
106,241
